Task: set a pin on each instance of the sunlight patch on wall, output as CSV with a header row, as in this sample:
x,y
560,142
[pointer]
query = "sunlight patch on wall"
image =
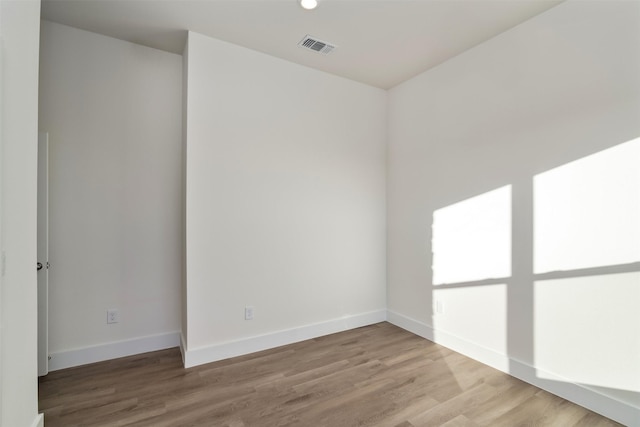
x,y
472,239
587,330
475,313
587,212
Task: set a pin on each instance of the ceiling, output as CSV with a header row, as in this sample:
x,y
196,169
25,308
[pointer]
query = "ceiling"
x,y
379,42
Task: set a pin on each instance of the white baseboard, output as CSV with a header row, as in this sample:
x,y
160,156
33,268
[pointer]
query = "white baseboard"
x,y
199,356
38,421
112,350
617,410
608,406
470,349
622,412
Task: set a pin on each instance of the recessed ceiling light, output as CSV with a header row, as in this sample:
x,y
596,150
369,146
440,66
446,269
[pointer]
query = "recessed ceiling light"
x,y
309,4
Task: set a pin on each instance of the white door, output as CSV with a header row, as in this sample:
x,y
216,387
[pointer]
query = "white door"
x,y
43,254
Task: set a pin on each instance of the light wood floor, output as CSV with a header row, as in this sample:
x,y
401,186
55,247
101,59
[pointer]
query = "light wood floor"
x,y
379,375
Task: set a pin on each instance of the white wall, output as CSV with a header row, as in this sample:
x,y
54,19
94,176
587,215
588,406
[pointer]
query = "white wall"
x,y
285,196
552,90
285,199
19,26
113,113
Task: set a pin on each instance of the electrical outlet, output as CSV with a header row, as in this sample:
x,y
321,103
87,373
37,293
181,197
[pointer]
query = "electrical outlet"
x,y
439,307
113,315
248,313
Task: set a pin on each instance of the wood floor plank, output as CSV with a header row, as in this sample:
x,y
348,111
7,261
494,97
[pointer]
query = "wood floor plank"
x,y
377,376
450,409
460,421
501,403
594,420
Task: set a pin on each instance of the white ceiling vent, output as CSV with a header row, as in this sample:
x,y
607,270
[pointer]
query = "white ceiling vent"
x,y
316,45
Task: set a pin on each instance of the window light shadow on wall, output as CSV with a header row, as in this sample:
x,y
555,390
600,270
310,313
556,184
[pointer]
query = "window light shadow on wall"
x,y
587,330
471,247
472,239
586,265
587,212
